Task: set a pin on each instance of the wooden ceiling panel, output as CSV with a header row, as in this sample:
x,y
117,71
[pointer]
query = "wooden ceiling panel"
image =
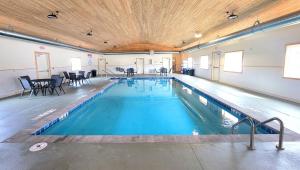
x,y
136,25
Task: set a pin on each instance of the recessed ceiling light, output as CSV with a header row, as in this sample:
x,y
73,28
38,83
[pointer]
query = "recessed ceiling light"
x,y
198,35
53,15
231,16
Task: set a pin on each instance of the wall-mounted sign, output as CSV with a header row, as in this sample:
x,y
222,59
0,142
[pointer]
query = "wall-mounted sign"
x,y
42,47
90,59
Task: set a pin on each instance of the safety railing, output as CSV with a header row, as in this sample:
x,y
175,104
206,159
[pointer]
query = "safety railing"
x,y
252,125
281,132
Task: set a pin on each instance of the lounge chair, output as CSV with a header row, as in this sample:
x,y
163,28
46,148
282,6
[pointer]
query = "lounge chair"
x,y
56,83
67,77
28,85
74,78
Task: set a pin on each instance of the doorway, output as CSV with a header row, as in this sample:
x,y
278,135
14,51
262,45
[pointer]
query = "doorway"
x,y
166,63
102,66
42,64
215,71
140,65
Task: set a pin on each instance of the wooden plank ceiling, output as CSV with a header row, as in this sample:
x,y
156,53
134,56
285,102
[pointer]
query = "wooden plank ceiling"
x,y
137,25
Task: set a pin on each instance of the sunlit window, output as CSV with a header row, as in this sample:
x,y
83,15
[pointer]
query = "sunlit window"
x,y
185,64
76,64
292,61
190,62
204,62
233,61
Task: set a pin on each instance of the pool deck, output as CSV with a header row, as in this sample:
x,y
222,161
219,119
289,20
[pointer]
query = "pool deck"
x,y
18,113
256,105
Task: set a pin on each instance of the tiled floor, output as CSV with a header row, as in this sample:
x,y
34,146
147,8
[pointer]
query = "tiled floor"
x,y
17,113
211,156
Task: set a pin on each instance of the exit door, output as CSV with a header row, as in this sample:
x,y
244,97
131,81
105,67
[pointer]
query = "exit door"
x,y
102,66
166,63
42,61
140,65
215,71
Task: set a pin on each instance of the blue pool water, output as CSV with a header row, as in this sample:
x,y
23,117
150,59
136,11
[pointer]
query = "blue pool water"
x,y
149,107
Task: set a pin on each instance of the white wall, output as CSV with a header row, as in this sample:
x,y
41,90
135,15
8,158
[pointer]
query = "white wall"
x,y
17,59
128,60
263,63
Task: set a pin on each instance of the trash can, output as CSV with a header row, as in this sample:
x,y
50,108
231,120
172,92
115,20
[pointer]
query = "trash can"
x,y
94,73
191,72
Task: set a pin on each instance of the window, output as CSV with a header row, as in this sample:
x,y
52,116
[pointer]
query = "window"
x,y
204,62
190,62
233,61
76,64
292,61
185,64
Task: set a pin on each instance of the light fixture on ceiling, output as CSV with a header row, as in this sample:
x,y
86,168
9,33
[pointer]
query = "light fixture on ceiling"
x,y
231,16
198,35
90,33
53,15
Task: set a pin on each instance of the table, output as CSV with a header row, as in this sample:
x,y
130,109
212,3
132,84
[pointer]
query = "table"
x,y
43,84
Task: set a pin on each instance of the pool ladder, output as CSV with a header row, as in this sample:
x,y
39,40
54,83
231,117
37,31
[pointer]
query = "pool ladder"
x,y
253,130
110,73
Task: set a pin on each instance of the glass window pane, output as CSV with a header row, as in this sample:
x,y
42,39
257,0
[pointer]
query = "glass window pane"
x,y
292,61
204,62
190,62
233,61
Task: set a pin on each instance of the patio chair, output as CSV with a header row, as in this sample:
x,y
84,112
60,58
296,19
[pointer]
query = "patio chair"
x,y
87,78
81,76
67,77
74,78
56,83
28,86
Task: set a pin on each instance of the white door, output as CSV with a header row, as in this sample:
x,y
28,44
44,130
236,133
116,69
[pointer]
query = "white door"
x,y
215,71
102,66
42,61
140,65
166,63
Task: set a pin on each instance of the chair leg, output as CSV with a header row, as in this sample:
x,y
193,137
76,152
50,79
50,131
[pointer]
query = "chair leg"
x,y
61,88
56,91
22,92
31,91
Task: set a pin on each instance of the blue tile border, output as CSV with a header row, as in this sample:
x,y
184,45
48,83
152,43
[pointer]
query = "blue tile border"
x,y
232,110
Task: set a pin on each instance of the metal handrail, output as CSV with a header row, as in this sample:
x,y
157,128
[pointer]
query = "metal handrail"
x,y
251,146
111,73
279,146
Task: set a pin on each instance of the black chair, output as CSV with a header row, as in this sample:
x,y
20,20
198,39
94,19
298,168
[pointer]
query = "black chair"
x,y
28,86
67,77
81,76
74,78
163,71
130,72
87,78
29,80
56,82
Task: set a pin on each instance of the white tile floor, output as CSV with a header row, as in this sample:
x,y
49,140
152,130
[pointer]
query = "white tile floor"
x,y
258,106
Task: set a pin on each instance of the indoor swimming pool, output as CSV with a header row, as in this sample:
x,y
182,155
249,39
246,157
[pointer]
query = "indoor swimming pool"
x,y
152,106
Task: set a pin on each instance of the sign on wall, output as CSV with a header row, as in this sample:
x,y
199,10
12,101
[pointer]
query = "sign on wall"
x,y
90,59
